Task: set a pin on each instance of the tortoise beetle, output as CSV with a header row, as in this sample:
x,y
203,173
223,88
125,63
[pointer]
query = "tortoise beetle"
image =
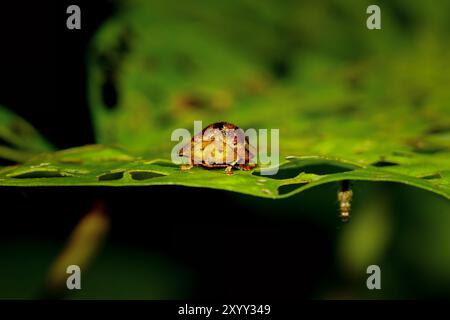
x,y
212,147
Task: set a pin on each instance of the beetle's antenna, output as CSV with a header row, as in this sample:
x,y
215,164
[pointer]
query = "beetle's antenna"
x,y
345,195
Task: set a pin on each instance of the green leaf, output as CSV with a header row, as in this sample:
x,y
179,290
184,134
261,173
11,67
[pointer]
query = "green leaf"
x,y
18,139
99,166
350,104
351,99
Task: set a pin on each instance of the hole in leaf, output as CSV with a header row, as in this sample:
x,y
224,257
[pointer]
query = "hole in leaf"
x,y
111,176
319,169
290,187
432,176
144,175
384,164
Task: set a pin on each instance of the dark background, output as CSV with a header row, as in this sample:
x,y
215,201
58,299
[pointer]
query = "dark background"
x,y
43,66
233,248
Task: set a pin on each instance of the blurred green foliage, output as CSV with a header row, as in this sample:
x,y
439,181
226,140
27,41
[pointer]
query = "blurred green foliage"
x,y
375,102
313,70
335,89
19,141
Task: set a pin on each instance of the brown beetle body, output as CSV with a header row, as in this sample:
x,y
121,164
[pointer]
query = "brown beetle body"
x,y
203,146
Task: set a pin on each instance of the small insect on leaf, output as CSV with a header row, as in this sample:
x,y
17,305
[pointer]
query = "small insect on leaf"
x,y
220,145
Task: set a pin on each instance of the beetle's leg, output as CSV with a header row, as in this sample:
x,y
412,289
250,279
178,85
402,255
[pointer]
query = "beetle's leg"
x,y
246,167
186,167
229,170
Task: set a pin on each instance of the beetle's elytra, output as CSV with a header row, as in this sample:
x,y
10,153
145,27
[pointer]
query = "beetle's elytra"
x,y
228,150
